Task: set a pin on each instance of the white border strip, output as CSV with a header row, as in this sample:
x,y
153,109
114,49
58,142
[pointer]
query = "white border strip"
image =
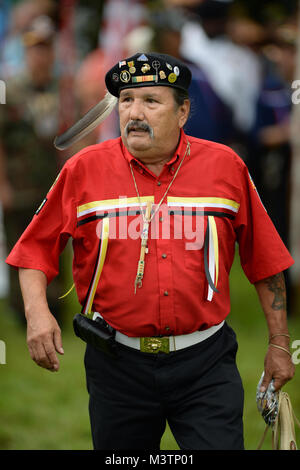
x,y
202,204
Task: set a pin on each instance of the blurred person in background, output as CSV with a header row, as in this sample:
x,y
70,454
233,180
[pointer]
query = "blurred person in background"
x,y
246,32
233,70
89,89
270,138
28,125
20,16
210,118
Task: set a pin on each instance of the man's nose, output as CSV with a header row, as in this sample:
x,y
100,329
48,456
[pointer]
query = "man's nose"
x,y
137,111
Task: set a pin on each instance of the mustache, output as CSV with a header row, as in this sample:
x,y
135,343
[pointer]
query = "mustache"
x,y
138,126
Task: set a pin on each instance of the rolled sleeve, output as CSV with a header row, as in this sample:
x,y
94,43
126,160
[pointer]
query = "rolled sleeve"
x,y
53,224
262,251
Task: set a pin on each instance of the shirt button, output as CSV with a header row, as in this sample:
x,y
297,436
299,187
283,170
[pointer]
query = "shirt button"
x,y
158,183
166,293
164,255
161,219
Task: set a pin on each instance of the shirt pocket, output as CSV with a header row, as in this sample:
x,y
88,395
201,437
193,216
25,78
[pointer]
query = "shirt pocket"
x,y
193,259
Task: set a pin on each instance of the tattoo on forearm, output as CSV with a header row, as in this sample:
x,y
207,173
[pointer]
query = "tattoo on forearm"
x,y
276,284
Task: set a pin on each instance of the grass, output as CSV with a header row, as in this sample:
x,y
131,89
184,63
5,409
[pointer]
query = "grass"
x,y
41,410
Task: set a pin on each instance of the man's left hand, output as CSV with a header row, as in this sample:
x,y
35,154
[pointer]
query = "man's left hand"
x,y
278,366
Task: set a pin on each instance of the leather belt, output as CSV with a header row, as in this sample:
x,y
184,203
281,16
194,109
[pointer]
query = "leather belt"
x,y
166,344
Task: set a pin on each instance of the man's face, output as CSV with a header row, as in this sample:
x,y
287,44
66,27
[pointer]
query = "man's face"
x,y
150,120
40,59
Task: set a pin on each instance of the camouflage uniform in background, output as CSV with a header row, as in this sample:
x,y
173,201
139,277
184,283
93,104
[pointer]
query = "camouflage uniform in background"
x,y
28,125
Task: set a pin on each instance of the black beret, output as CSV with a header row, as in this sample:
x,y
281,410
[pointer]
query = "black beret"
x,y
148,69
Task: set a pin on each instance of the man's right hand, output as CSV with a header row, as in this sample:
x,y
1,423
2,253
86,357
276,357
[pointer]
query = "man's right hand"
x,y
44,341
43,332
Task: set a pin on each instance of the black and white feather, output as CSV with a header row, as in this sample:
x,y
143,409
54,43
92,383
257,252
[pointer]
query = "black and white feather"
x,y
87,123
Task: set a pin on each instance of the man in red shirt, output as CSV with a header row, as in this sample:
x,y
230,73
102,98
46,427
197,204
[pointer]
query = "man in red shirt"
x,y
157,214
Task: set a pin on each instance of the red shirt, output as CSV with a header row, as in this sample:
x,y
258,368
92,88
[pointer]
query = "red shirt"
x,y
213,184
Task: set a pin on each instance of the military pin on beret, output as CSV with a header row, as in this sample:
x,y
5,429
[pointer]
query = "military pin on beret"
x,y
150,69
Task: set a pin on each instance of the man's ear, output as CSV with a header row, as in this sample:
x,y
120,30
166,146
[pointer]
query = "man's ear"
x,y
184,112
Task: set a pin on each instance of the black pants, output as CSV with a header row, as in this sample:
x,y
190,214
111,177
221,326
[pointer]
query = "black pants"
x,y
198,390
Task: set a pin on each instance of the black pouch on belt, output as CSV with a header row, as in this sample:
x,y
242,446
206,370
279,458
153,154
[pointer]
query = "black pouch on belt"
x,y
96,332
